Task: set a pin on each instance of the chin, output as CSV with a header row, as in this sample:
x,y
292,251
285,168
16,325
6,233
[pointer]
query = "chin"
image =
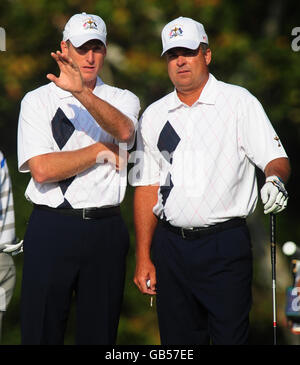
x,y
183,85
89,77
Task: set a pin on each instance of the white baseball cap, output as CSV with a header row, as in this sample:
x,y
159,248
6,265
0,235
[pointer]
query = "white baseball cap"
x,y
83,27
183,32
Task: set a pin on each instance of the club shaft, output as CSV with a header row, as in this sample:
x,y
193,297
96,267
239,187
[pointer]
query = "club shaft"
x,y
273,264
274,310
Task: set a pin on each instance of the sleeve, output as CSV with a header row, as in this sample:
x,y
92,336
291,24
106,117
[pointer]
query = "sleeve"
x,y
146,170
7,215
129,104
34,132
259,139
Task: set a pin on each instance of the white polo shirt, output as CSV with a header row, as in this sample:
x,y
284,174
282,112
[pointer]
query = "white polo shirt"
x,y
52,120
204,156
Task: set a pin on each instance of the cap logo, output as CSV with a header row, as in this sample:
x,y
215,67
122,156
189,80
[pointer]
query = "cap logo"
x,y
176,31
90,24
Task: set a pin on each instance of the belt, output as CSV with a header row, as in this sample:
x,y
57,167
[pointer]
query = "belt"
x,y
84,213
199,232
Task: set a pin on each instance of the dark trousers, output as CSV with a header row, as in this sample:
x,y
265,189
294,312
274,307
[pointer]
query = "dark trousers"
x,y
65,255
203,287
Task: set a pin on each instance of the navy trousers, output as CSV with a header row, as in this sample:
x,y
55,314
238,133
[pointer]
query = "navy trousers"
x,y
203,287
64,255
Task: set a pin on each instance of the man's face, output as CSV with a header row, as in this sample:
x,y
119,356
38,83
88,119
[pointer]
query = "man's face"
x,y
187,68
89,58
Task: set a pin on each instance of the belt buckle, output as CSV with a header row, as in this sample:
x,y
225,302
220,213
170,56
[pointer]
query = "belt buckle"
x,y
83,214
191,229
182,232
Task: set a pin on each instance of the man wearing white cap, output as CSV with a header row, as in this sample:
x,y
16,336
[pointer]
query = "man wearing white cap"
x,y
196,186
69,135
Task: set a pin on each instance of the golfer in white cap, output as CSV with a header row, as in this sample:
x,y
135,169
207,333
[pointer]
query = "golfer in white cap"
x,y
200,145
76,242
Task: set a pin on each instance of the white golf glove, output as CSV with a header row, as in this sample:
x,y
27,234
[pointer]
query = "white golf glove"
x,y
12,249
273,195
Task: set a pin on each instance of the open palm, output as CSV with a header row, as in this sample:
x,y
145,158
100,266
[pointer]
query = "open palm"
x,y
70,78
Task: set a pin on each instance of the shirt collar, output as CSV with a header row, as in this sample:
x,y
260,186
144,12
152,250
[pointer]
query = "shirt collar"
x,y
62,94
207,96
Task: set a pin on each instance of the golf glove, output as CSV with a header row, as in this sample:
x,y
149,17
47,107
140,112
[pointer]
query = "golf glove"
x,y
273,195
12,249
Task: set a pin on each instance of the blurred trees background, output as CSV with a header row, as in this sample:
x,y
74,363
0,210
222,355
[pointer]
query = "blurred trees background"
x,y
251,47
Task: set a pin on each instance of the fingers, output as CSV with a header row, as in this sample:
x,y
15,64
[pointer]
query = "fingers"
x,y
279,205
283,206
52,78
63,60
141,283
14,249
272,203
70,78
61,57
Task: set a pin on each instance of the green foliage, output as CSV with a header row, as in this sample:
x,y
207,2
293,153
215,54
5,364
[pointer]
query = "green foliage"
x,y
251,47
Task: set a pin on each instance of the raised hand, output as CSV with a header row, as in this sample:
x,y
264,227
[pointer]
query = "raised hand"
x,y
70,78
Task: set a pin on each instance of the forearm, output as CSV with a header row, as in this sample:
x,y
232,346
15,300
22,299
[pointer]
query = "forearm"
x,y
279,167
145,198
107,116
57,166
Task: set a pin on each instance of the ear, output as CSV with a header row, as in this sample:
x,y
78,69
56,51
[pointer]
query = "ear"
x,y
64,47
207,56
105,50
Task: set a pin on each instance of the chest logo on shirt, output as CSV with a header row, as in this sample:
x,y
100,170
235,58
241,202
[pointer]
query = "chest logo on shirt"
x,y
278,141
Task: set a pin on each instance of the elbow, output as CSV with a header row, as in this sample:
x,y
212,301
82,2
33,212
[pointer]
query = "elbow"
x,y
38,171
127,134
39,175
125,138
